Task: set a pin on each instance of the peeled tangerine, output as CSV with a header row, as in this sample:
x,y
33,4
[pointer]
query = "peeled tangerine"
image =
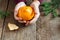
x,y
26,13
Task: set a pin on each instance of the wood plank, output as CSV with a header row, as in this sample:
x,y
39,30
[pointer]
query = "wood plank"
x,y
3,5
55,28
43,28
48,28
24,32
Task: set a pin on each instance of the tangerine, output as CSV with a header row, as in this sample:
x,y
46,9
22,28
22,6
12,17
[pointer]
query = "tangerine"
x,y
26,13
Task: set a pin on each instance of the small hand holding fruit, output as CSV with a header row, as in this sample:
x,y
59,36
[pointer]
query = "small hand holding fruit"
x,y
35,6
20,4
27,14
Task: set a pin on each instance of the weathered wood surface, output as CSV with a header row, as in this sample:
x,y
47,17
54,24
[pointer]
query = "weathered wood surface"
x,y
46,28
3,5
24,33
49,29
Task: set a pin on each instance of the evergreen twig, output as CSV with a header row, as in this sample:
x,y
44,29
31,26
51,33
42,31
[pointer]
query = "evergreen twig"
x,y
50,7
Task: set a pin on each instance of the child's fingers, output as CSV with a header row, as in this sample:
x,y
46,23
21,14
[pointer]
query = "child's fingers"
x,y
15,14
22,21
16,18
27,23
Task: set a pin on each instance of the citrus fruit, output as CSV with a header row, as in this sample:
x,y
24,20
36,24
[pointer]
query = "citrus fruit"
x,y
26,13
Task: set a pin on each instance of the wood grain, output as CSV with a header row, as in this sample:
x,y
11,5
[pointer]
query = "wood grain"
x,y
48,27
43,28
23,33
3,5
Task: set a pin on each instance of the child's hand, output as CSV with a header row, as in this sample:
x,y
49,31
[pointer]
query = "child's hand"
x,y
16,11
35,6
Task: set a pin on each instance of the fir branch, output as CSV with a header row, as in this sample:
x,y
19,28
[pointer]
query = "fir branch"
x,y
3,14
50,7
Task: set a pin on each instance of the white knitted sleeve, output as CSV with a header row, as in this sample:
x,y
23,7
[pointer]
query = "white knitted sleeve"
x,y
36,8
20,4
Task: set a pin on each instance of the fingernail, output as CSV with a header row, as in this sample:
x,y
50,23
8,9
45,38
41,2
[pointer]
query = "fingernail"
x,y
20,18
26,24
24,21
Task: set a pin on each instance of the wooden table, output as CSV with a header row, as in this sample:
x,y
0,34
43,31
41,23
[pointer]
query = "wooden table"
x,y
46,28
